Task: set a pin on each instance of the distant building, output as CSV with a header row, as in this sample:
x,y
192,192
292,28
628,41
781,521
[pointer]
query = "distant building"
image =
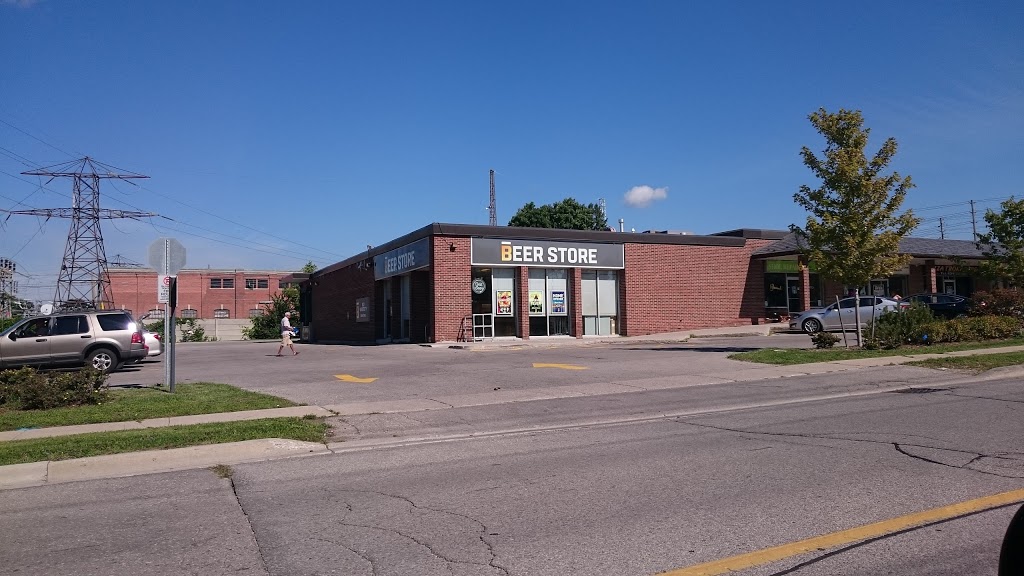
x,y
202,293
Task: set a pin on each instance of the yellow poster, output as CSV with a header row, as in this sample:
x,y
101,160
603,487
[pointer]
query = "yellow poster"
x,y
536,303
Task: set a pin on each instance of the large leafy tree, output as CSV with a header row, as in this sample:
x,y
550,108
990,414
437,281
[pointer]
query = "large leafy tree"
x,y
308,267
268,325
1003,244
565,214
854,226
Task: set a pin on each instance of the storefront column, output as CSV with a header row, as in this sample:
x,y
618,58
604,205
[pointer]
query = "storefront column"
x,y
930,279
522,301
576,302
805,283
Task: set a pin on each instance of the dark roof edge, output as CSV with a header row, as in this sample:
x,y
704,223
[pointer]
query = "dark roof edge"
x,y
754,234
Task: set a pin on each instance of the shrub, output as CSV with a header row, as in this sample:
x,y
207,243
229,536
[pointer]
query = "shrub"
x,y
824,339
999,303
28,389
893,329
187,330
268,325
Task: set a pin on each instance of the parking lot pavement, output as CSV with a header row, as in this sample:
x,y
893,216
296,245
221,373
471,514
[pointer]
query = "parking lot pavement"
x,y
331,374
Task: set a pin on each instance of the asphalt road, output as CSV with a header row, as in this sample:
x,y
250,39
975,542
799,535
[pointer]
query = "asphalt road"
x,y
657,479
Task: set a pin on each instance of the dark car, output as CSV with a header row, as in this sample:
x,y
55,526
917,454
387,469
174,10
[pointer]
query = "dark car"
x,y
943,305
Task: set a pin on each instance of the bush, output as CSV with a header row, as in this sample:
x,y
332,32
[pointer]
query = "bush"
x,y
824,339
268,326
28,389
893,329
999,303
972,328
187,330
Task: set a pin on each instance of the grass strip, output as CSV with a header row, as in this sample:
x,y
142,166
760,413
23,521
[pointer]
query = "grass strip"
x,y
979,363
99,443
787,356
142,403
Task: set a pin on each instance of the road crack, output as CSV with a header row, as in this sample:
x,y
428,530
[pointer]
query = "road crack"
x,y
248,522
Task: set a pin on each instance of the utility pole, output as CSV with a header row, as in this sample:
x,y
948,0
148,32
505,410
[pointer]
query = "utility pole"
x,y
974,223
83,282
942,230
493,208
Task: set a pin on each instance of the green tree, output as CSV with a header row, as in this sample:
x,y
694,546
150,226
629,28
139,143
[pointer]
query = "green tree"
x,y
1003,244
566,214
854,226
308,268
268,325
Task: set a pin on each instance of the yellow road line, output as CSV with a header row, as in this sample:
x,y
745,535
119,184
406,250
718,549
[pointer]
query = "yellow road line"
x,y
768,555
351,378
562,366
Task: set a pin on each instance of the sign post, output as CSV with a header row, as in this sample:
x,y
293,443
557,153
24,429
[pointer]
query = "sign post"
x,y
167,255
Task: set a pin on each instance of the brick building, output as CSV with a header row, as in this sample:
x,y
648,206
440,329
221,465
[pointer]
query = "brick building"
x,y
202,293
448,282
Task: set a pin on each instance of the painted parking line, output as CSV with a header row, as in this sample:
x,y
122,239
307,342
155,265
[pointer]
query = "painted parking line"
x,y
562,366
351,378
849,536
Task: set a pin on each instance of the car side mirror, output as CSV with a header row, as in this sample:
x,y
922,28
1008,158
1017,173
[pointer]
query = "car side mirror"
x,y
13,336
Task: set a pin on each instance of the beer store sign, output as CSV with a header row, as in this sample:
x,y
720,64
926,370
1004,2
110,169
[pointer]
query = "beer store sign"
x,y
550,254
401,260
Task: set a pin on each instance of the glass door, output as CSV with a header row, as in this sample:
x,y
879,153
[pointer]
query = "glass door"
x,y
548,302
600,292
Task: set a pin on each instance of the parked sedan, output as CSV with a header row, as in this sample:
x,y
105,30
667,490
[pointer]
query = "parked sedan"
x,y
943,305
843,314
153,341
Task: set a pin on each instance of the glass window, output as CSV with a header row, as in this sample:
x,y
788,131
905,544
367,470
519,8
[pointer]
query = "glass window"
x,y
215,283
847,303
262,283
600,292
117,321
34,327
69,325
775,290
189,313
155,313
254,283
255,313
227,282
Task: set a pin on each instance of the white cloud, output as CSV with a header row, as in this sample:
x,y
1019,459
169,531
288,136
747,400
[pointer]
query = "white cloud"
x,y
641,196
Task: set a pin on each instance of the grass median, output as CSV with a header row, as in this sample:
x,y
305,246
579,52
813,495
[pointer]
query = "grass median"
x,y
134,404
789,356
100,443
979,363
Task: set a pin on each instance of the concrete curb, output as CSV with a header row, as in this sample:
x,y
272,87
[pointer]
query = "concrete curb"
x,y
153,461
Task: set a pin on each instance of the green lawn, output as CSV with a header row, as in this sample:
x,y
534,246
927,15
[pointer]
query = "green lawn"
x,y
974,363
788,356
95,444
143,403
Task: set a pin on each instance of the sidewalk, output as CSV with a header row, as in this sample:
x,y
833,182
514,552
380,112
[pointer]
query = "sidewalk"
x,y
133,463
681,336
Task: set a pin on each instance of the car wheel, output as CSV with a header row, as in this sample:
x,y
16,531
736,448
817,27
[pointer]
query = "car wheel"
x,y
102,359
811,326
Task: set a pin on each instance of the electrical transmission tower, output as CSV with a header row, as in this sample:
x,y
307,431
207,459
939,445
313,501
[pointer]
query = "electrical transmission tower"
x,y
493,208
8,286
83,282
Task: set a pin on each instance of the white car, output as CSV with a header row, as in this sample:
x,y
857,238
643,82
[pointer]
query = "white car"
x,y
153,341
842,315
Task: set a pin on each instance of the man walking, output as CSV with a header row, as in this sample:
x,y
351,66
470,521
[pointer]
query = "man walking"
x,y
286,335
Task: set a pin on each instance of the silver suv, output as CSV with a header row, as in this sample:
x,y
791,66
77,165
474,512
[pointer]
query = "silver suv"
x,y
102,339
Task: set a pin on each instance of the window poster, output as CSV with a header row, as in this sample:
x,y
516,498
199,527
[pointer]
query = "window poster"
x,y
558,302
536,302
504,298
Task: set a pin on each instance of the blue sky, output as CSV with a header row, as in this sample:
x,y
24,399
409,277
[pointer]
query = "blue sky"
x,y
280,132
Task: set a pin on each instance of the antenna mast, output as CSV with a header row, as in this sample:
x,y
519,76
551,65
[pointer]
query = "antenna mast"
x,y
83,282
494,206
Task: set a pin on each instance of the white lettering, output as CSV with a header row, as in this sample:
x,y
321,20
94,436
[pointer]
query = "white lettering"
x,y
538,254
517,253
552,255
527,254
593,255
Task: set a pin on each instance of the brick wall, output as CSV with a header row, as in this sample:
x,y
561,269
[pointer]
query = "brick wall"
x,y
334,305
136,290
668,288
453,297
